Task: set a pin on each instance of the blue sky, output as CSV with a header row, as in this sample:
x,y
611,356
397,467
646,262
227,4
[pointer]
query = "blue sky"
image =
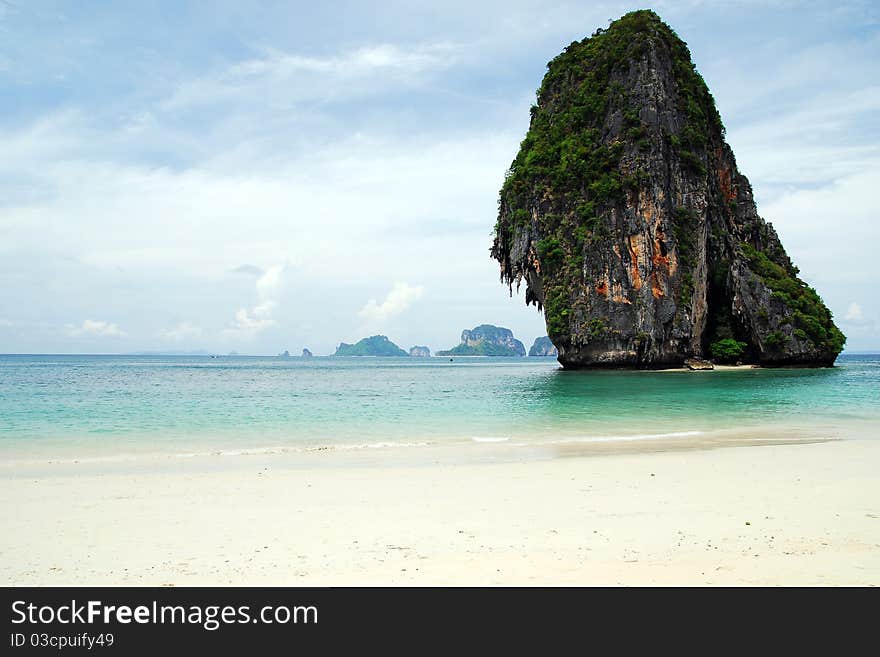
x,y
267,176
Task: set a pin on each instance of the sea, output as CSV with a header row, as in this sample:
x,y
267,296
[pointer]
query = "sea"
x,y
53,406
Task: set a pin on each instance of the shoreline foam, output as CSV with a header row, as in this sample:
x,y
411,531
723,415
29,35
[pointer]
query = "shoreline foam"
x,y
507,448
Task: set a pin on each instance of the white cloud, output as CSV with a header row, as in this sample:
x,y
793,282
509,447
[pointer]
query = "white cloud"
x,y
401,296
283,78
95,327
856,319
183,331
249,322
347,213
269,283
351,63
854,312
827,232
861,326
809,145
190,221
826,229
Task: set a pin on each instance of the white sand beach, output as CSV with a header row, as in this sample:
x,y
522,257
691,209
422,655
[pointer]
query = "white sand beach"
x,y
798,514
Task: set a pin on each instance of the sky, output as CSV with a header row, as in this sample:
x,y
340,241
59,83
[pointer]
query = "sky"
x,y
261,176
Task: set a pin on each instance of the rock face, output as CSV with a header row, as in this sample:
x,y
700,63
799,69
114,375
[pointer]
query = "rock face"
x,y
697,364
284,354
487,340
307,354
377,345
544,348
635,232
419,352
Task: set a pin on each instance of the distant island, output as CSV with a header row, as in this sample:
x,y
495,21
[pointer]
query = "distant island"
x,y
483,340
543,348
487,340
377,345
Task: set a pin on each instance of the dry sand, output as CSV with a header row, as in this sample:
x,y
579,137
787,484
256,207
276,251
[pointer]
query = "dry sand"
x,y
780,514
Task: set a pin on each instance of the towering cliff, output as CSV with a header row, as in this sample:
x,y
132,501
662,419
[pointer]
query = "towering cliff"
x,y
625,214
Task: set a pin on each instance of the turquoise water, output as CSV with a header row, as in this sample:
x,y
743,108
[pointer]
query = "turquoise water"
x,y
114,404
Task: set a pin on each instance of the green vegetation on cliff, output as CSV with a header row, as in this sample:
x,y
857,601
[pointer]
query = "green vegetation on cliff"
x,y
810,318
567,173
377,345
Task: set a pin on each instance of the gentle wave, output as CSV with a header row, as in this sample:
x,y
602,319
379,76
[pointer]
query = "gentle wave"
x,y
246,451
377,445
620,438
345,447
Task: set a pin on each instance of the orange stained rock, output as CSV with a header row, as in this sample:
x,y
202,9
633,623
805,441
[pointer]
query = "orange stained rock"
x,y
658,259
725,180
617,294
656,288
635,242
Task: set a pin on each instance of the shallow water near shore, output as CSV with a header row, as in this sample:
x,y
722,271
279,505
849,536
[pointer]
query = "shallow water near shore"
x,y
104,406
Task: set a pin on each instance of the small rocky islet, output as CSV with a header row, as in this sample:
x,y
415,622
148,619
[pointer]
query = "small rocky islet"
x,y
626,216
486,340
376,345
543,348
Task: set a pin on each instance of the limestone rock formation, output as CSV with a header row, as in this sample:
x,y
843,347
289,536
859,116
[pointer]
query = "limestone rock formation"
x,y
487,340
419,352
542,347
377,345
306,353
626,215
